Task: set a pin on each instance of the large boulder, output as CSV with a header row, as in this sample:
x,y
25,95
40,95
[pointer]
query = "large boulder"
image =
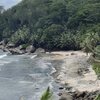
x,y
5,50
3,42
10,45
2,47
16,51
22,47
30,49
40,50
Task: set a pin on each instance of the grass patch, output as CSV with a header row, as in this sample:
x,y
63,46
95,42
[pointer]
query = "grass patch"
x,y
96,67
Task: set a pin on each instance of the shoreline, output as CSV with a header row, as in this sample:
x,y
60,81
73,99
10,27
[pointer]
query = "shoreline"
x,y
73,78
75,74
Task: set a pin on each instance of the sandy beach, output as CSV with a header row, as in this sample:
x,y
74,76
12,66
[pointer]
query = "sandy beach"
x,y
75,71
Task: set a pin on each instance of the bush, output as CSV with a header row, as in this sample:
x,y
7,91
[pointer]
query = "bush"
x,y
21,36
96,67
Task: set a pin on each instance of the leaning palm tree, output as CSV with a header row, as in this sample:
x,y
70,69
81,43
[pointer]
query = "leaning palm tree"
x,y
47,95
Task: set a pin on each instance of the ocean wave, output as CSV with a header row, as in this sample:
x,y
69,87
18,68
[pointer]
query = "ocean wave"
x,y
2,56
53,70
4,62
36,75
25,82
33,56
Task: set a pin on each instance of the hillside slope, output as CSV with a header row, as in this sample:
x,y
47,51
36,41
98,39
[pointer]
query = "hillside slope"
x,y
50,24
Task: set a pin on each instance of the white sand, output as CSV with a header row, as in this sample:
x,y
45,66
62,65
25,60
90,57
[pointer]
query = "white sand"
x,y
73,60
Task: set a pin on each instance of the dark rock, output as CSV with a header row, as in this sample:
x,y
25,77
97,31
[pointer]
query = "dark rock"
x,y
40,50
78,95
59,94
82,95
61,88
73,54
82,71
63,98
85,95
68,88
36,88
5,50
30,49
67,54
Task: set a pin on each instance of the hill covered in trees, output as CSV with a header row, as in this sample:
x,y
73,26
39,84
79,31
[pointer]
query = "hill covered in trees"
x,y
52,24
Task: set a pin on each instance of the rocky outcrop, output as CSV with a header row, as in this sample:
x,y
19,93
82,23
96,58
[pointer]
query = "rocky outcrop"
x,y
10,45
78,95
85,95
3,42
30,49
40,50
16,51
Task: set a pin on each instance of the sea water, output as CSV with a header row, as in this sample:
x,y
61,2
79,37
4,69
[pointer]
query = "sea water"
x,y
25,77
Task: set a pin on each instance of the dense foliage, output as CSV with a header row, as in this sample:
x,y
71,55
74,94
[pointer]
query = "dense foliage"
x,y
50,24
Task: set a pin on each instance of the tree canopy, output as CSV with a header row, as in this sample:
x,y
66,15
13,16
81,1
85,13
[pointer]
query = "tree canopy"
x,y
51,24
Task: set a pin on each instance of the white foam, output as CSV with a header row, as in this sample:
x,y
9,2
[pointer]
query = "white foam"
x,y
2,56
33,56
4,62
48,63
25,82
53,70
50,85
35,75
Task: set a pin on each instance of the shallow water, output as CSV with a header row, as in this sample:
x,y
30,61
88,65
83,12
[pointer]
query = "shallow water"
x,y
25,77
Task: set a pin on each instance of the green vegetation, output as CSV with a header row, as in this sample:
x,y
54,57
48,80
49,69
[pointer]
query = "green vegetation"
x,y
96,67
47,95
97,98
54,25
50,24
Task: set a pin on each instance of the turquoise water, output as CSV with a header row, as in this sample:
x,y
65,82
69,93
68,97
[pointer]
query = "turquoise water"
x,y
25,76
